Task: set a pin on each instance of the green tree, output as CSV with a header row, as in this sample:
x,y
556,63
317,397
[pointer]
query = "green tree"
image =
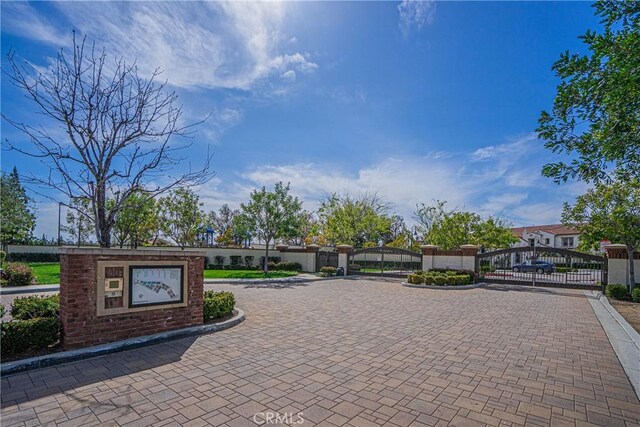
x,y
79,225
596,112
449,229
181,217
270,215
17,218
608,211
222,222
356,221
137,222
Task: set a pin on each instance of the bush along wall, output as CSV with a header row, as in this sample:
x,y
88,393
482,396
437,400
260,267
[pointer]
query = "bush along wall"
x,y
17,274
35,325
218,304
33,257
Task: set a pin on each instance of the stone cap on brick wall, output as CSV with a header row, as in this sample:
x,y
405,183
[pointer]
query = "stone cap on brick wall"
x,y
428,249
344,249
131,252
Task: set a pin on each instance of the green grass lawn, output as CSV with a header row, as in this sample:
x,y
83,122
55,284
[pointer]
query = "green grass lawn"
x,y
47,273
246,274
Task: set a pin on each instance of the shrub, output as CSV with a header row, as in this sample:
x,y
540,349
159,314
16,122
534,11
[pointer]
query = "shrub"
x,y
328,271
219,260
415,279
2,310
32,334
440,280
635,294
218,304
616,291
15,274
3,257
30,307
272,259
289,266
236,260
420,272
354,267
33,257
248,261
430,279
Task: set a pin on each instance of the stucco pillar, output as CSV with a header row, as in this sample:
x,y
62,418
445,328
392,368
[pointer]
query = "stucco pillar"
x,y
428,251
617,264
343,257
469,253
312,257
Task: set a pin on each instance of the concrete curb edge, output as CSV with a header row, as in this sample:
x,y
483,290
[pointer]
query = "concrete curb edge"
x,y
624,340
448,288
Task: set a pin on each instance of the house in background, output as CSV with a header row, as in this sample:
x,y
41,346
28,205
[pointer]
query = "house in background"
x,y
550,236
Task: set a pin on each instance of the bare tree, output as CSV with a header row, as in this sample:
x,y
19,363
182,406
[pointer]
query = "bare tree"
x,y
119,130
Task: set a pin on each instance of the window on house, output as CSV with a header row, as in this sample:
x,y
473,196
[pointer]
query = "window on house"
x,y
532,242
567,241
546,241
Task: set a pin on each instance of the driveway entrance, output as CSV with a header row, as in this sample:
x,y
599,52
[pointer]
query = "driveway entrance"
x,y
537,266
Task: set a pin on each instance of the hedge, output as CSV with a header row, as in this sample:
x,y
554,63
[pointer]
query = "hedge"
x,y
31,307
328,271
415,279
286,266
218,304
34,334
616,291
33,257
16,274
635,294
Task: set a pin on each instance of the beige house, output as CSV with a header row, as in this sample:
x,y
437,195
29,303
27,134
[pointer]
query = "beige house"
x,y
550,236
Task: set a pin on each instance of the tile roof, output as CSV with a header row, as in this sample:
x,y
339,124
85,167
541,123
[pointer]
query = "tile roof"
x,y
555,229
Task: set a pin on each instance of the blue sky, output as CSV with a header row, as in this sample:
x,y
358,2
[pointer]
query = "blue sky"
x,y
414,100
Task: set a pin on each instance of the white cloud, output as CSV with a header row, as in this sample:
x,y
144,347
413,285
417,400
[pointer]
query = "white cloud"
x,y
234,45
414,14
21,19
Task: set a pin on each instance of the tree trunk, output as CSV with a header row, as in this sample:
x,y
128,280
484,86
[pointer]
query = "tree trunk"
x,y
632,279
265,267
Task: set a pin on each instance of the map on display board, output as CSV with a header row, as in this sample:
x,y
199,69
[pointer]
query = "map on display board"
x,y
155,285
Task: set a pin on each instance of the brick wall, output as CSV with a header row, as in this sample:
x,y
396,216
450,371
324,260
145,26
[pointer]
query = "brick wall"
x,y
81,324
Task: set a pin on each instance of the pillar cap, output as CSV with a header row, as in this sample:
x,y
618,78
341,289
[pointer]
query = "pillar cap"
x,y
429,246
344,249
312,248
282,247
616,246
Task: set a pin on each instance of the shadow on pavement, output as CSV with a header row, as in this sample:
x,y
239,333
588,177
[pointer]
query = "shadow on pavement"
x,y
535,290
81,375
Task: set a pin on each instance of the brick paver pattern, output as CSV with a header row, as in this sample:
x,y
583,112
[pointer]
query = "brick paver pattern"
x,y
358,353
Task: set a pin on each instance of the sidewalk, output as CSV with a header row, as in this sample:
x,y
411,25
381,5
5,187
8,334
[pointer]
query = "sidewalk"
x,y
31,289
623,338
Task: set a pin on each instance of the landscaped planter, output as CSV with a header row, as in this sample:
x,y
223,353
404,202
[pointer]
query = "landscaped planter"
x,y
447,287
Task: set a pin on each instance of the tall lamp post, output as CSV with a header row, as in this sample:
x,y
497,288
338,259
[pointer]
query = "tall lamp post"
x,y
59,223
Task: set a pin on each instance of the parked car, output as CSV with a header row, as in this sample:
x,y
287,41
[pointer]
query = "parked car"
x,y
537,266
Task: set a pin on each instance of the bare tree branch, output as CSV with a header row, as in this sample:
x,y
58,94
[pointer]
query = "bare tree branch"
x,y
119,128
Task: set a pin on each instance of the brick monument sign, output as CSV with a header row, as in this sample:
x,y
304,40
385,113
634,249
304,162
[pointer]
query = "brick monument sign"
x,y
112,294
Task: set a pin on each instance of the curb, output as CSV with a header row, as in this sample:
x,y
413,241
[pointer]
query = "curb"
x,y
34,290
445,287
262,281
115,347
622,337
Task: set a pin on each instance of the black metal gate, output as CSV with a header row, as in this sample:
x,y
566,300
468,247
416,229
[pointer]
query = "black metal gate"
x,y
384,261
326,259
538,266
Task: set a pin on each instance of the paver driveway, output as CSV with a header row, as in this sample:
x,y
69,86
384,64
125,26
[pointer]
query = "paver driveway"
x,y
354,352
